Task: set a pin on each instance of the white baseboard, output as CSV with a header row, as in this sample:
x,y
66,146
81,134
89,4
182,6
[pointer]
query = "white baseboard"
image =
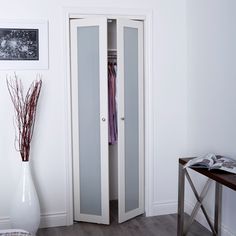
x,y
165,208
47,220
53,219
225,231
4,223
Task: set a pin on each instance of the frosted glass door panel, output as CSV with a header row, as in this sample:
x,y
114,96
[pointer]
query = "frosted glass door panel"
x,y
130,122
89,123
89,120
131,118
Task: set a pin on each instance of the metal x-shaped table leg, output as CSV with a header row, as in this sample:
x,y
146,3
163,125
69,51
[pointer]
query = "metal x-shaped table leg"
x,y
199,203
181,230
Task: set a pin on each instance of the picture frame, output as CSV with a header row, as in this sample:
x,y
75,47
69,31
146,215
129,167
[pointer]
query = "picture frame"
x,y
23,44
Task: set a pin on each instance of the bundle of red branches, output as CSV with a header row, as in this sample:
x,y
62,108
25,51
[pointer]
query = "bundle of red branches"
x,y
25,112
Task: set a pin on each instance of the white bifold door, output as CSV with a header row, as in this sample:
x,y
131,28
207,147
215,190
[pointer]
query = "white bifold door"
x,y
89,96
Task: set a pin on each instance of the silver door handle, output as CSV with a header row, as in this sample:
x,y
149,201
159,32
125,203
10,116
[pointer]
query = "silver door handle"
x,y
103,119
122,118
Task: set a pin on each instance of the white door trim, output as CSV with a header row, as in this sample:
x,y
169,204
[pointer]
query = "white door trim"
x,y
145,15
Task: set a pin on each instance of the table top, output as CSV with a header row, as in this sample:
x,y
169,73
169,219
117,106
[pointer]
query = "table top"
x,y
222,177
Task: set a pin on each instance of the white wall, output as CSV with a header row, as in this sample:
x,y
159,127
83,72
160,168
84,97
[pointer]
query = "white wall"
x,y
211,88
170,98
49,147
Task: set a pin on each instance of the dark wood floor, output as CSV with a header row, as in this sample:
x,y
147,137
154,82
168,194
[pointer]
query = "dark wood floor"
x,y
139,226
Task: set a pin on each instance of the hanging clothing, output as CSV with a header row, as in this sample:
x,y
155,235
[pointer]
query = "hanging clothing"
x,y
112,110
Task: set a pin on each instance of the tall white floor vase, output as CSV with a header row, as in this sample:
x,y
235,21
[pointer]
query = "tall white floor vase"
x,y
25,210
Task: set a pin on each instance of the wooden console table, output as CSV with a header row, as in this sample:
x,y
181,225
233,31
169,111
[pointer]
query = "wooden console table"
x,y
220,179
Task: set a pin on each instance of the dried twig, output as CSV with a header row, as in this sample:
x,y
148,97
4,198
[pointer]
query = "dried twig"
x,y
25,112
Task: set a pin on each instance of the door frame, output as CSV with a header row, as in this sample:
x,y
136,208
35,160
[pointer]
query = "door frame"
x,y
135,14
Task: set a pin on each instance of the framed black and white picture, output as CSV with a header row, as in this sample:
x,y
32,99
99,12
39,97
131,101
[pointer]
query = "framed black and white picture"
x,y
19,44
23,45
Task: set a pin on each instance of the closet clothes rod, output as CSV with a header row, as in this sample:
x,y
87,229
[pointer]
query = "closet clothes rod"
x,y
112,54
112,57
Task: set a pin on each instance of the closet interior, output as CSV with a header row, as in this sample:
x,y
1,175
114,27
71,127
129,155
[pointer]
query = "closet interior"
x,y
107,118
112,115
